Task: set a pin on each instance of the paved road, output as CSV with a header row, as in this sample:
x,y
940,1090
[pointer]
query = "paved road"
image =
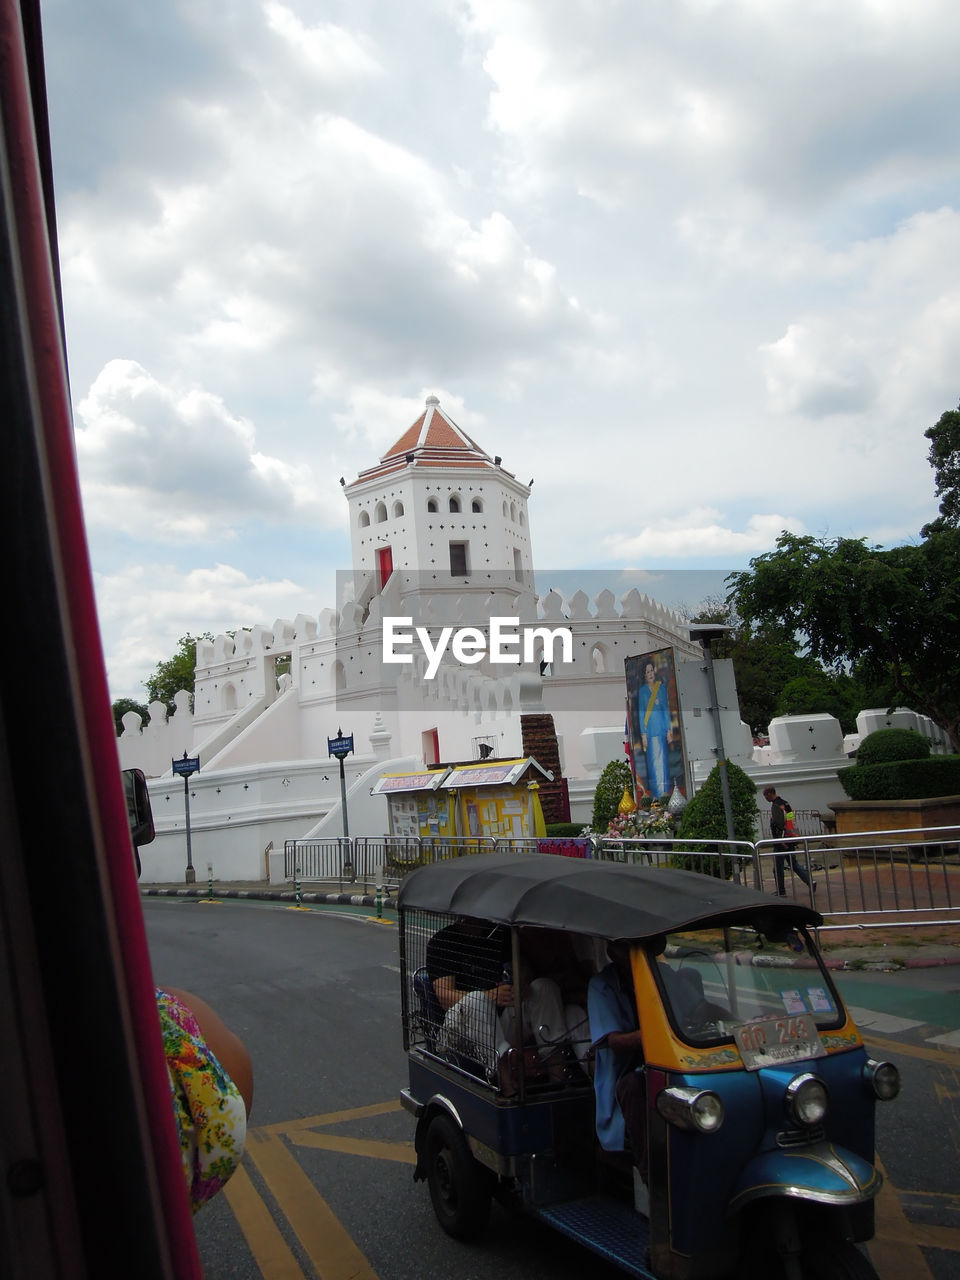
x,y
326,1185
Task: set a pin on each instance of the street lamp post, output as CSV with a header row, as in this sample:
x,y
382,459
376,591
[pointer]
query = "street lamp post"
x,y
706,633
185,768
342,746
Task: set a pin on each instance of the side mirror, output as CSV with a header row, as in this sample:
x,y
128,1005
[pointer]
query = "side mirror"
x,y
139,812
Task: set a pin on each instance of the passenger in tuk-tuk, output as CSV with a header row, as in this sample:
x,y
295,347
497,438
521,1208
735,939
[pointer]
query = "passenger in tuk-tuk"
x,y
619,1086
469,966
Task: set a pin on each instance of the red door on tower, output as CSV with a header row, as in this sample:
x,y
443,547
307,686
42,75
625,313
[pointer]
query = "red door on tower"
x,y
384,566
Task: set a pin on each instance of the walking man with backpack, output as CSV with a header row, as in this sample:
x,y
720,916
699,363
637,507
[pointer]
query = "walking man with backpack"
x,y
782,828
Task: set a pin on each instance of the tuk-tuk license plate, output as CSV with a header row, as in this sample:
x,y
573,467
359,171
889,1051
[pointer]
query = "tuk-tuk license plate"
x,y
791,1038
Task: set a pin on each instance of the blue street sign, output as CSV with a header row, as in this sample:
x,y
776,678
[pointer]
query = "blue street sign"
x,y
186,766
340,746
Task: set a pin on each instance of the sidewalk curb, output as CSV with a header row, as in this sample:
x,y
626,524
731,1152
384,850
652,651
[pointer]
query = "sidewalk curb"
x,y
877,964
272,895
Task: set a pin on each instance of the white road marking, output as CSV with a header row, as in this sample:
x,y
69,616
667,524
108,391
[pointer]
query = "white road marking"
x,y
951,1039
882,1022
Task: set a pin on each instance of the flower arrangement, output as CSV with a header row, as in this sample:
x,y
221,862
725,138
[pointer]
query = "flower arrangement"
x,y
653,820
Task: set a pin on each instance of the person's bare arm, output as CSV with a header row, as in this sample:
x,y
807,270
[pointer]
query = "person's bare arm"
x,y
445,989
624,1041
228,1048
448,993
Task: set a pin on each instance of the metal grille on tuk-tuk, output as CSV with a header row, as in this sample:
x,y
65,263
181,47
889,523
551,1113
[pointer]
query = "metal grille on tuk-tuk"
x,y
439,952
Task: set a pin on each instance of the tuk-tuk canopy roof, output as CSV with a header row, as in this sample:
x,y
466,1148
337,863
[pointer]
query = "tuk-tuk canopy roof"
x,y
603,899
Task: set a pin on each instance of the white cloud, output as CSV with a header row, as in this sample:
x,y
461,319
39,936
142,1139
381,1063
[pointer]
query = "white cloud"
x,y
145,610
897,329
327,48
700,534
683,264
165,464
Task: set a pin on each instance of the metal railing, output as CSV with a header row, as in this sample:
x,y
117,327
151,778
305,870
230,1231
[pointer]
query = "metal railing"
x,y
879,877
728,859
872,875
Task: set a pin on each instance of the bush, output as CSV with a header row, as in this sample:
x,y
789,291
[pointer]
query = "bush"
x,y
704,819
606,799
565,829
902,779
886,745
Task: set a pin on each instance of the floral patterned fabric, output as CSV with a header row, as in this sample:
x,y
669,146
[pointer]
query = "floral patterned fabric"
x,y
210,1113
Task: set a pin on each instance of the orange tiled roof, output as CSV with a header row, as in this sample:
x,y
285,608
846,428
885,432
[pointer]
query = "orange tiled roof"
x,y
434,440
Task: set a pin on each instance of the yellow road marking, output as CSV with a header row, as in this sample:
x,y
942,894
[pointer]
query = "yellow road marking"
x,y
934,1237
943,1057
403,1152
270,1251
895,1251
328,1245
333,1117
943,1093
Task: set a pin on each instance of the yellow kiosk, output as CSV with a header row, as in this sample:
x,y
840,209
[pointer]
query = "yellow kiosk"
x,y
489,798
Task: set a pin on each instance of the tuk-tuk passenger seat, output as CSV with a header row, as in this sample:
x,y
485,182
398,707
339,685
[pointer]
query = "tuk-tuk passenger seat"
x,y
428,1018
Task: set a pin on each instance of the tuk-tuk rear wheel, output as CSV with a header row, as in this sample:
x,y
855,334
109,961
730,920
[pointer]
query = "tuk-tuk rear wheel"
x,y
460,1188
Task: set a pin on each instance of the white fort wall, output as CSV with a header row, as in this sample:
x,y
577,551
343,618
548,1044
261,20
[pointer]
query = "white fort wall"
x,y
265,774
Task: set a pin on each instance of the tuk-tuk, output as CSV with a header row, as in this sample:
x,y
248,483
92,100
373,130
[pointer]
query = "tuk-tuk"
x,y
759,1095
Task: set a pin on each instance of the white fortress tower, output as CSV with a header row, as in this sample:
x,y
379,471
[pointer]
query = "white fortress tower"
x,y
440,511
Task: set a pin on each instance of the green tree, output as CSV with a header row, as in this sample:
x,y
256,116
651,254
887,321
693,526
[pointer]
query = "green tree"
x,y
895,614
120,709
606,799
763,662
813,693
175,673
944,457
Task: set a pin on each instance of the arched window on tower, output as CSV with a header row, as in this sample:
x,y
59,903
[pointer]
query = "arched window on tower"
x,y
381,512
339,677
229,696
454,503
598,658
476,506
364,519
397,510
432,505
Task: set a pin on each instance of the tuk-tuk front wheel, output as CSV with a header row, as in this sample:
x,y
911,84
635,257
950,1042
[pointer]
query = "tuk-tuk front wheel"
x,y
460,1188
836,1260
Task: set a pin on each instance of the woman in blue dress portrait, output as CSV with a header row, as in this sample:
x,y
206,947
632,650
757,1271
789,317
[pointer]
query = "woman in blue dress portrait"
x,y
653,724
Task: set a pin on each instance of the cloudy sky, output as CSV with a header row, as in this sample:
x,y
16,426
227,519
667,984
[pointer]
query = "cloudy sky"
x,y
694,265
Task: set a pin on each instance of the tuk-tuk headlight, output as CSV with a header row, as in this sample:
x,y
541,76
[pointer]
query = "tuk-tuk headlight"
x,y
806,1100
882,1078
699,1109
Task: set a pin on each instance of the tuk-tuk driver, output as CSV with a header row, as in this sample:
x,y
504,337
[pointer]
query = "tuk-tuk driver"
x,y
618,1047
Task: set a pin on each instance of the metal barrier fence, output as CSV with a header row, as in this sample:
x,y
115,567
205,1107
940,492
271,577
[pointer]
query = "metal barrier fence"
x,y
872,875
729,859
880,877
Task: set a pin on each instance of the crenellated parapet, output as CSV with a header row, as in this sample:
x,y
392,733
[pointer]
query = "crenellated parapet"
x,y
341,652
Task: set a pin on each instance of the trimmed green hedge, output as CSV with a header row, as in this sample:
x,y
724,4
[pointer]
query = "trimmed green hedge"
x,y
885,745
903,779
564,828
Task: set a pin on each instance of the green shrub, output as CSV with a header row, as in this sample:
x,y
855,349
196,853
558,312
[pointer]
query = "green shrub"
x,y
704,817
903,779
606,799
564,828
892,744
